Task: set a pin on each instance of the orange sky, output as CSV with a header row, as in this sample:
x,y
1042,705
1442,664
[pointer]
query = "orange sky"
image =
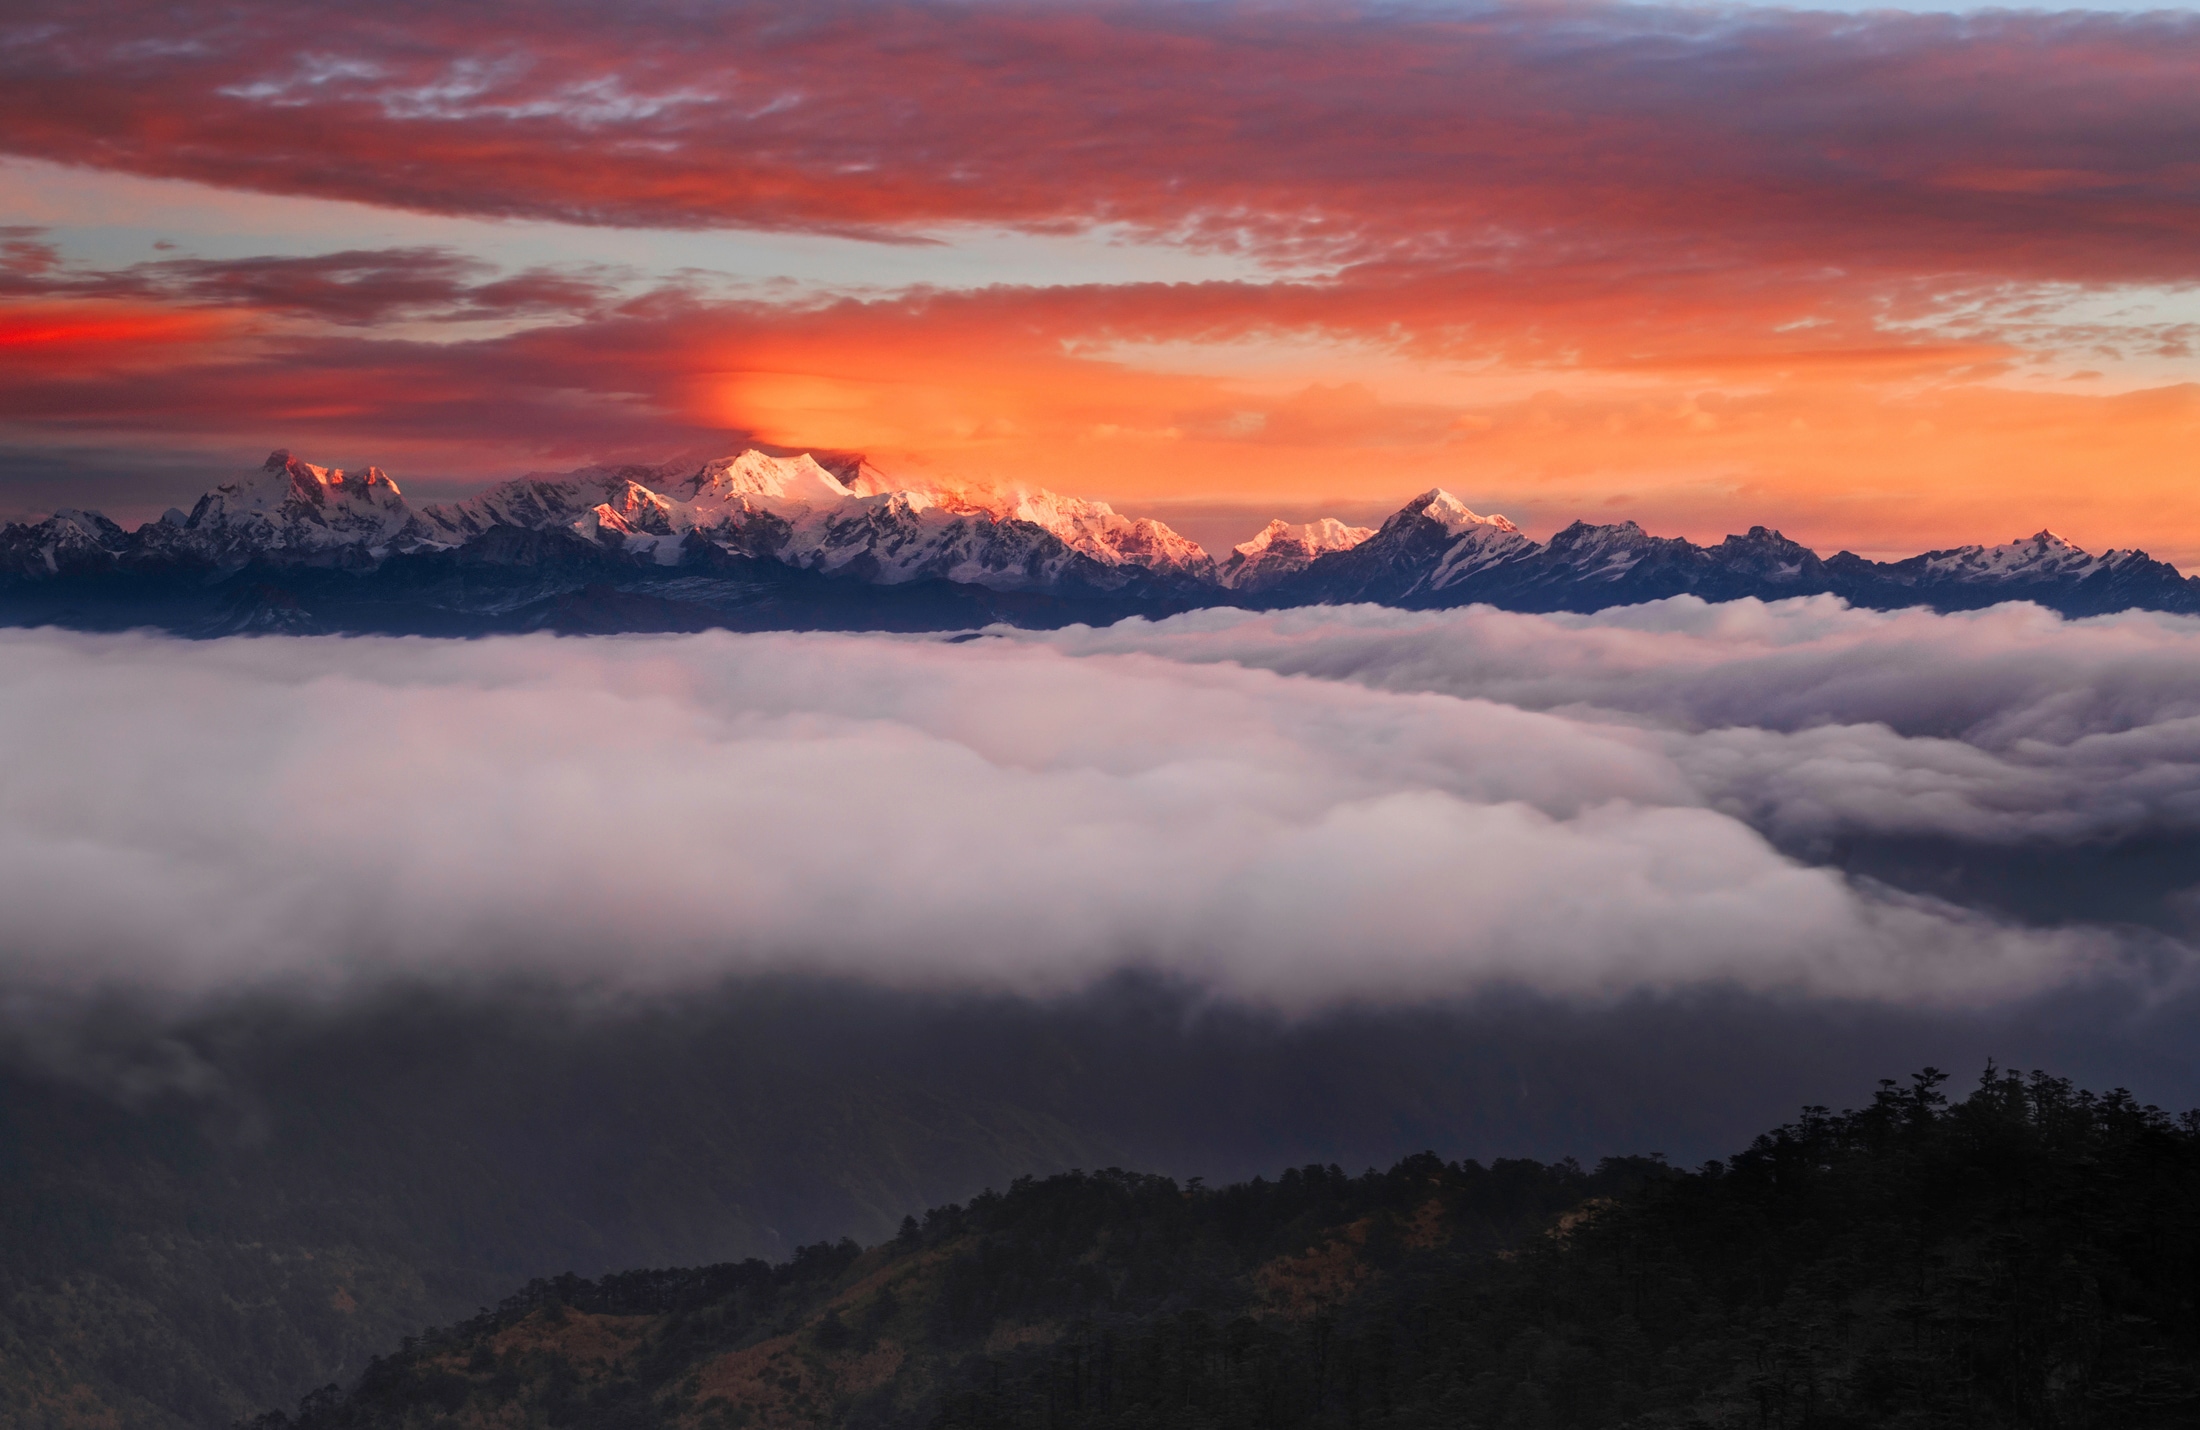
x,y
1887,282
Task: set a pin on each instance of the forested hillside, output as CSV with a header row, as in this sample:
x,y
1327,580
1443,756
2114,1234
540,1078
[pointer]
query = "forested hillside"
x,y
2026,1256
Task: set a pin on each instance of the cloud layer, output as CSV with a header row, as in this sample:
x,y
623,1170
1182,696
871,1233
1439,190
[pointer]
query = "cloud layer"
x,y
2024,144
1578,807
1808,719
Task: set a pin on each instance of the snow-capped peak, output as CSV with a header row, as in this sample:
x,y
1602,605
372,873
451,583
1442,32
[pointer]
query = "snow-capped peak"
x,y
283,477
1281,548
296,507
758,479
1099,531
1324,534
89,525
67,539
1452,514
2040,555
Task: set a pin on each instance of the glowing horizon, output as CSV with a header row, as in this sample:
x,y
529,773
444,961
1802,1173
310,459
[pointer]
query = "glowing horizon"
x,y
1886,281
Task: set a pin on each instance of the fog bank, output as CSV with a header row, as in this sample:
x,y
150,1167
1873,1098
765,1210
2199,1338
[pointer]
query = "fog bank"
x,y
1290,811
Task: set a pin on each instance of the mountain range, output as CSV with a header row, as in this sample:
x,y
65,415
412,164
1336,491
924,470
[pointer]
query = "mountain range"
x,y
778,540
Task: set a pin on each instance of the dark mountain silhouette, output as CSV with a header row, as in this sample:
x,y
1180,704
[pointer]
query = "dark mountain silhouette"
x,y
2026,1257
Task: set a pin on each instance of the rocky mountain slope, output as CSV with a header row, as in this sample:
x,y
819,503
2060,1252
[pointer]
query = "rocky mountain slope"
x,y
760,540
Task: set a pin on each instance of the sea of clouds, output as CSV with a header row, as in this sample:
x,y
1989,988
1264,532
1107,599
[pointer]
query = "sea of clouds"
x,y
1289,810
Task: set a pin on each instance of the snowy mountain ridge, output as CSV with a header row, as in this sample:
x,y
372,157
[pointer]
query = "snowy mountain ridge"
x,y
718,531
795,510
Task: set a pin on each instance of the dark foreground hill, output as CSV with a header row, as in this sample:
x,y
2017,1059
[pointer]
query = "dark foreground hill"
x,y
203,1215
2029,1256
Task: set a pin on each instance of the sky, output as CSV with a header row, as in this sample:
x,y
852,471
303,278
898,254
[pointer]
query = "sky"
x,y
1887,279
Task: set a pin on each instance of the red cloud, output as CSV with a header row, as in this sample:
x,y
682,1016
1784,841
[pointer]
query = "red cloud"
x,y
358,288
58,336
2034,146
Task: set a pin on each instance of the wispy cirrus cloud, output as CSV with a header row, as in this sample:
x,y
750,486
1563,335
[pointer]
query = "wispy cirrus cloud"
x,y
353,288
